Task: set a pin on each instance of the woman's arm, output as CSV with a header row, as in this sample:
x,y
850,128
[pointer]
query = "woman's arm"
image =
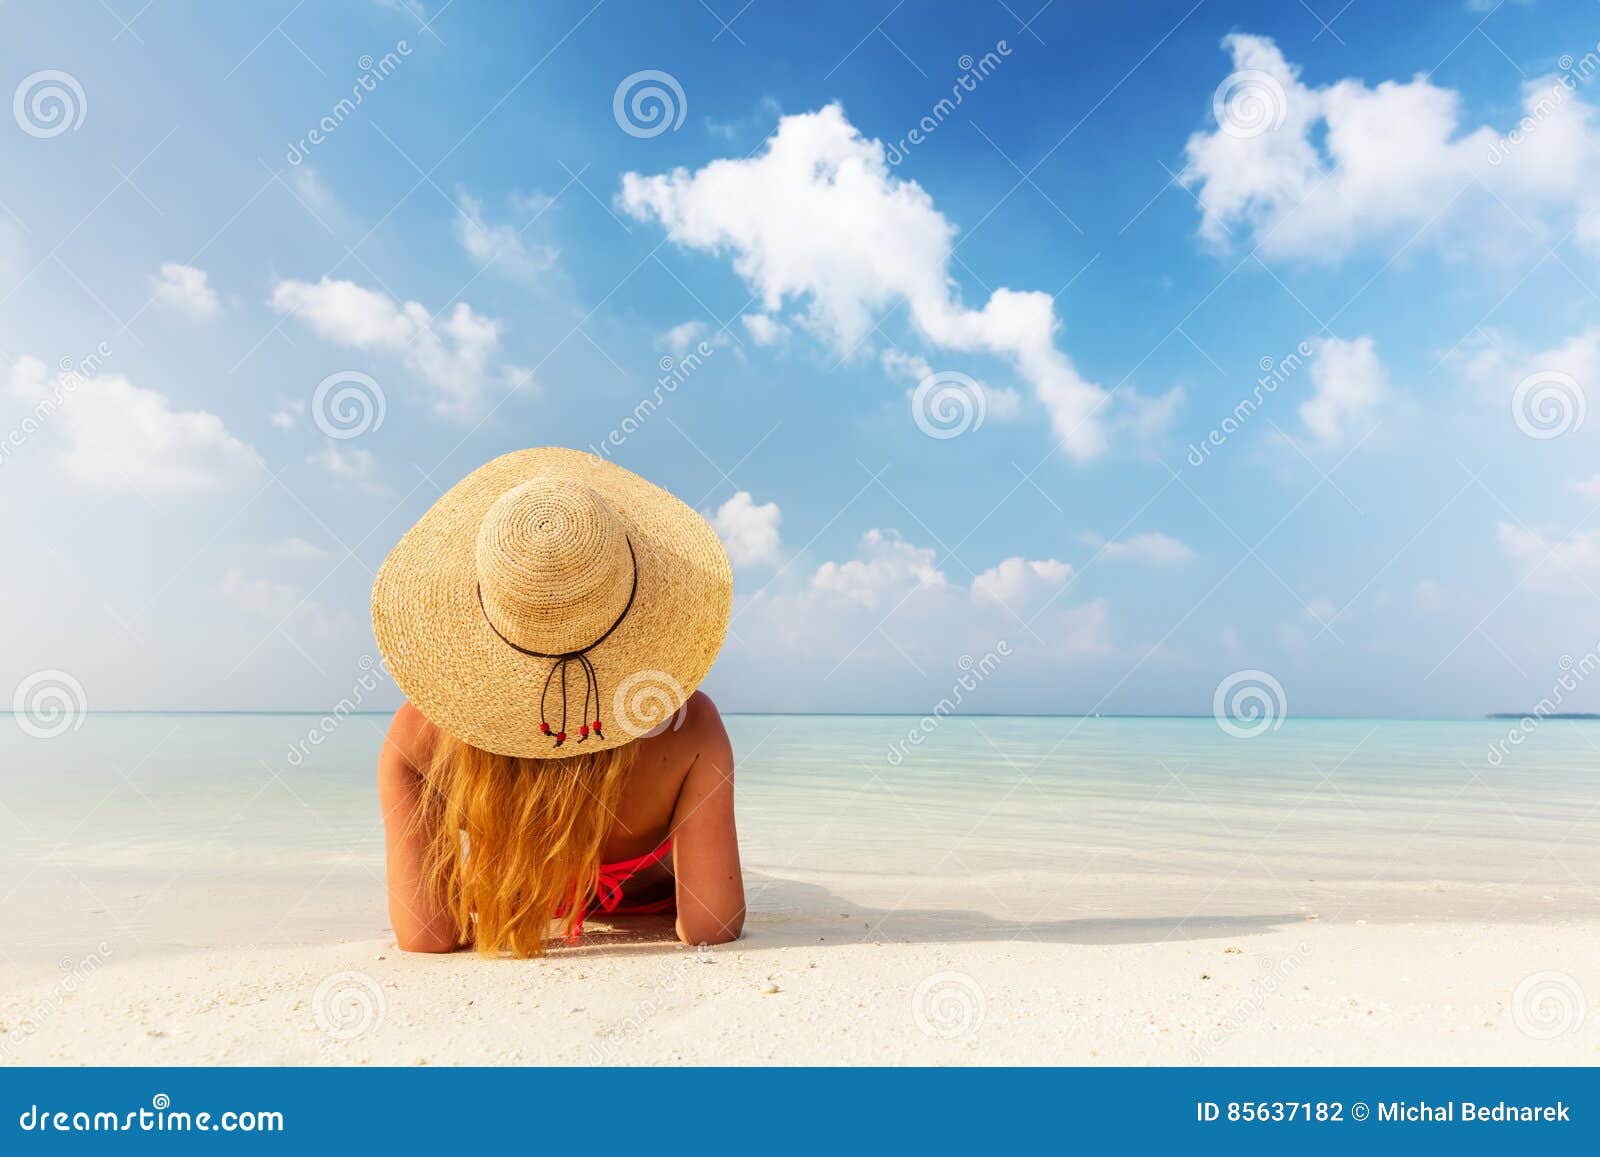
x,y
705,844
421,922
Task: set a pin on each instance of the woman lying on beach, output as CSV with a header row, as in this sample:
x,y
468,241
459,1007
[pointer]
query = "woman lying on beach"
x,y
548,620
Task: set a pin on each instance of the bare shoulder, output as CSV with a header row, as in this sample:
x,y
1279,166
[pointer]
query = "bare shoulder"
x,y
409,744
702,725
702,713
696,730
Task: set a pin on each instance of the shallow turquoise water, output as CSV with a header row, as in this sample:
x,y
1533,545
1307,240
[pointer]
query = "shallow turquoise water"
x,y
169,826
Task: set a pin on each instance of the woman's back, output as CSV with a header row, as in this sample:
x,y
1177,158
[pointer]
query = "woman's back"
x,y
674,786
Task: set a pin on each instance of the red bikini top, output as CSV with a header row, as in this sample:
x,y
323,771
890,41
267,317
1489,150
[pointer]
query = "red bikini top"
x,y
608,888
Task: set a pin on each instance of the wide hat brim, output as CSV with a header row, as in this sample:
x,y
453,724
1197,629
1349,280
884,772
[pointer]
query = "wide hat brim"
x,y
449,662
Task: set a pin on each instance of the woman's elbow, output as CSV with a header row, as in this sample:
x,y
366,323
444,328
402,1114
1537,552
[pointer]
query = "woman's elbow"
x,y
427,944
430,940
711,931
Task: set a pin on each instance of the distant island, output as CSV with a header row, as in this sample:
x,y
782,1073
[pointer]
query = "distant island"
x,y
1552,715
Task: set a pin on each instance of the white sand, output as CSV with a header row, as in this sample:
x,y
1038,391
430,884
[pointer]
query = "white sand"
x,y
806,989
1050,903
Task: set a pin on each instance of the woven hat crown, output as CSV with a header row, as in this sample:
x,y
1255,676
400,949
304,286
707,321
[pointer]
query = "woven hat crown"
x,y
554,565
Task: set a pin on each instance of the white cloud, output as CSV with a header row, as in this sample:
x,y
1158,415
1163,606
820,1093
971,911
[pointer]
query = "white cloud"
x,y
297,548
998,401
350,464
112,435
890,604
1569,565
1016,582
764,328
313,192
27,378
888,567
280,604
1500,365
818,218
883,623
1151,547
286,415
1350,388
749,532
1348,163
898,363
455,355
184,288
533,203
752,123
1578,356
413,8
690,335
1005,403
680,337
1588,488
1150,418
1076,631
259,596
502,244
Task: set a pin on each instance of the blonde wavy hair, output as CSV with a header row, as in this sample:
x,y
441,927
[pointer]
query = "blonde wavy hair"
x,y
513,844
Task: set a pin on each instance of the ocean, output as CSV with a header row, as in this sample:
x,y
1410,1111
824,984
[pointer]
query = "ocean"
x,y
154,832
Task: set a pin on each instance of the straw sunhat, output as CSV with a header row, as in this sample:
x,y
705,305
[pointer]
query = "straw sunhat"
x,y
546,582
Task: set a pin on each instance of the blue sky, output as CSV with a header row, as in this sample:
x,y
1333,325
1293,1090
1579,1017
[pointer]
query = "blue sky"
x,y
1130,218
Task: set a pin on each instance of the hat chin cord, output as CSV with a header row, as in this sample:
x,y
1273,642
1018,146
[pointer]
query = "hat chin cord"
x,y
560,661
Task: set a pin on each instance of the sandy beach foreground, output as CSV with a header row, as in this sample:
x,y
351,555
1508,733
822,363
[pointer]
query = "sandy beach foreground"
x,y
1024,891
1305,993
